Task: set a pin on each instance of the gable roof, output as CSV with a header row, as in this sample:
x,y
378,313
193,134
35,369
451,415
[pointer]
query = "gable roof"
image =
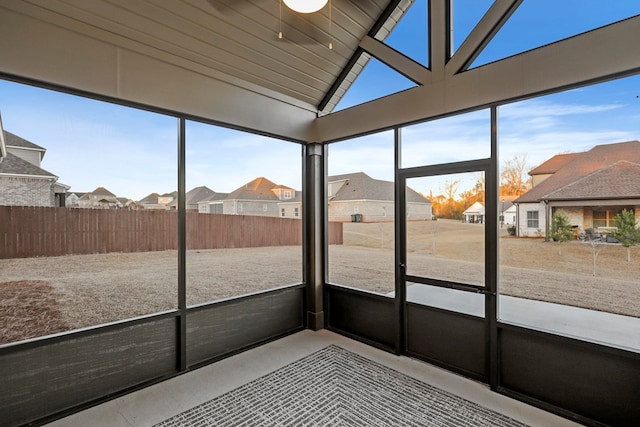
x,y
583,164
553,164
12,140
197,194
102,192
193,196
258,189
214,197
150,199
476,208
360,186
14,165
621,180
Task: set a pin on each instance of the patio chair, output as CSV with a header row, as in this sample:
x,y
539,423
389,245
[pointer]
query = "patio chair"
x,y
591,234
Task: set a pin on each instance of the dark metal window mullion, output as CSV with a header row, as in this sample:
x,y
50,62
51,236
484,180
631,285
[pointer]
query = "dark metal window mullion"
x,y
492,183
182,248
400,230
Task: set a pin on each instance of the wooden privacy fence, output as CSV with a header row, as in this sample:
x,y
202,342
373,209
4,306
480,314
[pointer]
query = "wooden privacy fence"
x,y
27,231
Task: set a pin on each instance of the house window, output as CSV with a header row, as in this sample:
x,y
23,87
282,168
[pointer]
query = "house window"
x,y
532,219
384,211
287,195
296,212
264,207
605,217
282,212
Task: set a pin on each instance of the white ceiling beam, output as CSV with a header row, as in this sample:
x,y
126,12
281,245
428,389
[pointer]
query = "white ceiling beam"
x,y
404,65
606,52
481,35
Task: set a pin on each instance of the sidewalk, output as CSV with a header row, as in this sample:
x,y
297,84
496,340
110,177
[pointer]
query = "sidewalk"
x,y
595,326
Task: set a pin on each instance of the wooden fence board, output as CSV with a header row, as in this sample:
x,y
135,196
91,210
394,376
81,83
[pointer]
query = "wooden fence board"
x,y
42,231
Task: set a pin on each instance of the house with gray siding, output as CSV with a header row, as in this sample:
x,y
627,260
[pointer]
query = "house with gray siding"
x,y
194,197
22,181
212,204
158,201
100,198
259,197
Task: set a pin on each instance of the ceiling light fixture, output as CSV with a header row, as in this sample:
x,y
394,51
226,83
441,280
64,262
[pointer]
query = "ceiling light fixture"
x,y
305,6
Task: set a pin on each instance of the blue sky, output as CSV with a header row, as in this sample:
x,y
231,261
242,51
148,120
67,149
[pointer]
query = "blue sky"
x,y
133,153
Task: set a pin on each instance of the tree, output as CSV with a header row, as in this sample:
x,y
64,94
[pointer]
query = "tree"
x,y
560,229
513,181
450,189
596,246
627,233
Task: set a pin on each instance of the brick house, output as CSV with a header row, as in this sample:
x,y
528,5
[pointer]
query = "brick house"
x,y
591,188
22,181
358,193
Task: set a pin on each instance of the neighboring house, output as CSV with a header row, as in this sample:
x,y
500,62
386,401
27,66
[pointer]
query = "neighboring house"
x,y
291,208
72,198
474,214
126,203
509,215
258,197
358,193
212,204
100,198
193,197
591,188
349,194
22,181
506,211
158,201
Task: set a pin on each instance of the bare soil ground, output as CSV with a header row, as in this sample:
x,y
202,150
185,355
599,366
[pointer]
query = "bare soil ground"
x,y
39,296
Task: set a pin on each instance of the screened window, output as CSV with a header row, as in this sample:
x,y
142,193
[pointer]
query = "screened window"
x,y
251,245
583,288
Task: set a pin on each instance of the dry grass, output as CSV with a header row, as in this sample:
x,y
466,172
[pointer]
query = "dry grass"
x,y
40,296
28,309
529,268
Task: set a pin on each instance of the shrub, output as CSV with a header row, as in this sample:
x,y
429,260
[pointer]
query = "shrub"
x,y
560,229
627,232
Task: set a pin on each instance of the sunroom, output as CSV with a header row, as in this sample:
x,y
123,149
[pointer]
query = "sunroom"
x,y
146,97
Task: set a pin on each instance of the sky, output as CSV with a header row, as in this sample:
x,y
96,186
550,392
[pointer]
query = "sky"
x,y
133,153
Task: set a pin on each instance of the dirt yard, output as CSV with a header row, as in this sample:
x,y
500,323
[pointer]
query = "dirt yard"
x,y
41,296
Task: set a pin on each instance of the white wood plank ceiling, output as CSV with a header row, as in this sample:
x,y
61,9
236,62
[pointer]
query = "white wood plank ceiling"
x,y
237,38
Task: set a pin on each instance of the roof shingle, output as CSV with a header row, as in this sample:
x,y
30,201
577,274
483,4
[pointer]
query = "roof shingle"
x,y
621,180
14,165
583,164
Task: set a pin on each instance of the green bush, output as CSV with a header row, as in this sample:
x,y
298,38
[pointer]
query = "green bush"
x,y
560,228
627,233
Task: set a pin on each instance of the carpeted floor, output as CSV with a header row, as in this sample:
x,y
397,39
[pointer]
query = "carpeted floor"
x,y
335,387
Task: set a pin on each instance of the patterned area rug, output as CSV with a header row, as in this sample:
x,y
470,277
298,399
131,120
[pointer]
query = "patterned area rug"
x,y
335,387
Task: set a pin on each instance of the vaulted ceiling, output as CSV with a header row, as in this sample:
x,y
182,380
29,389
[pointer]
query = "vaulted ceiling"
x,y
174,53
222,60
